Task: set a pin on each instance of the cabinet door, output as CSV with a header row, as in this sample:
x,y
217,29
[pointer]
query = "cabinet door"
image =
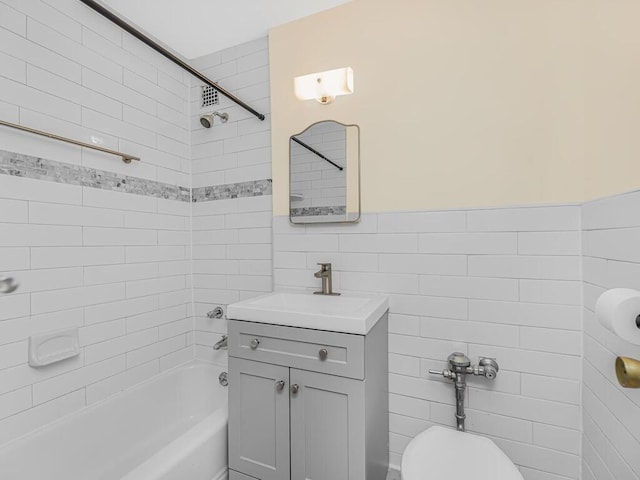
x,y
327,427
259,419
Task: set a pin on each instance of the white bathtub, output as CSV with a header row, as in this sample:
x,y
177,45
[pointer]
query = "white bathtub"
x,y
173,427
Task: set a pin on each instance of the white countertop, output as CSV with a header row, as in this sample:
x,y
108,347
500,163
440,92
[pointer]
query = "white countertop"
x,y
344,313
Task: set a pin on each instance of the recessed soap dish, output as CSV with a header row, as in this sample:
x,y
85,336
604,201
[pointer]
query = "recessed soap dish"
x,y
51,347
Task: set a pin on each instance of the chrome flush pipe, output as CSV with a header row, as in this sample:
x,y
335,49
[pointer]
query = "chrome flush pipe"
x,y
460,383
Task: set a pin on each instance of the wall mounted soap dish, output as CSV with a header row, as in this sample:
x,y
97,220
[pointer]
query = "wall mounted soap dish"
x,y
51,347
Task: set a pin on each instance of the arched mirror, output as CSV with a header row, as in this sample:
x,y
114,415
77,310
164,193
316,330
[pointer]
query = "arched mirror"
x,y
324,178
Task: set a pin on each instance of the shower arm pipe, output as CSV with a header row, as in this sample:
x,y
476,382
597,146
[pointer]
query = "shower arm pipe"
x,y
314,151
126,158
164,52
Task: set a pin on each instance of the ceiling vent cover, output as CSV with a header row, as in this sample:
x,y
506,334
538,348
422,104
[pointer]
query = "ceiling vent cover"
x,y
209,96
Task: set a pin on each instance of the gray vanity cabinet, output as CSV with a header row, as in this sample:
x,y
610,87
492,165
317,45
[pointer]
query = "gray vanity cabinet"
x,y
259,412
307,404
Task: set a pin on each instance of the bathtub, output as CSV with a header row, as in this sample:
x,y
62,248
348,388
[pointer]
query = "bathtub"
x,y
173,427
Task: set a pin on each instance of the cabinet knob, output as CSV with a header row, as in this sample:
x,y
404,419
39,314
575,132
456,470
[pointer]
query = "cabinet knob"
x,y
254,343
294,389
280,385
323,354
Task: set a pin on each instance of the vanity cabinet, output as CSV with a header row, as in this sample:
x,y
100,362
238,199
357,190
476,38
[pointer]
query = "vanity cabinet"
x,y
259,413
307,404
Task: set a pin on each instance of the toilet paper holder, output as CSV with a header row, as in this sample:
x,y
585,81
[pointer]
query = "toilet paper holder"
x,y
628,372
618,310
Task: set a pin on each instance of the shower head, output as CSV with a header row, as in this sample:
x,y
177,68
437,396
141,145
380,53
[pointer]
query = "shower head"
x,y
207,120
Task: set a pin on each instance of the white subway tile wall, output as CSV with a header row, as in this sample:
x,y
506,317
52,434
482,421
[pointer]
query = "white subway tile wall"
x,y
115,265
231,237
611,414
503,283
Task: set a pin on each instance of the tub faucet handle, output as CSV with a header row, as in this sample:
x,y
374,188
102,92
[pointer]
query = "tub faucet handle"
x,y
217,312
8,285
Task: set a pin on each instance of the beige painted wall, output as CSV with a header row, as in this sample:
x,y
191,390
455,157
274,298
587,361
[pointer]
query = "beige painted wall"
x,y
464,103
612,140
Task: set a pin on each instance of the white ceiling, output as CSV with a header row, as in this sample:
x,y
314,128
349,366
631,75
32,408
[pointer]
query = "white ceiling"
x,y
197,27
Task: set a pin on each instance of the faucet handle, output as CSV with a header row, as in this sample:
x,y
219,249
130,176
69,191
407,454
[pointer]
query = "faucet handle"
x,y
217,312
325,266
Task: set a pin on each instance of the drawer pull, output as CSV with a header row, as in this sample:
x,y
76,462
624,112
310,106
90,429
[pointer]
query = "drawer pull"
x,y
323,354
294,389
254,343
280,385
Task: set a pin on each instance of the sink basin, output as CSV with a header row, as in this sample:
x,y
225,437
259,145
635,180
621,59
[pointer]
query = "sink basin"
x,y
344,313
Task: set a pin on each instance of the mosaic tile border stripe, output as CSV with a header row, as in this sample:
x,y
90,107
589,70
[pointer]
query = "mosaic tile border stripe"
x,y
19,165
318,211
254,188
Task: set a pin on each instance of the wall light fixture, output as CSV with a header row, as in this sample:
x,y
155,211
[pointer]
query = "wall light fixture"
x,y
324,86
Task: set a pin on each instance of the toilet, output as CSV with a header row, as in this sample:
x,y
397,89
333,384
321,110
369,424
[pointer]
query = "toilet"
x,y
441,453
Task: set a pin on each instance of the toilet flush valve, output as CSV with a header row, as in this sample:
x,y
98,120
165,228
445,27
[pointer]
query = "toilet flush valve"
x,y
460,364
459,367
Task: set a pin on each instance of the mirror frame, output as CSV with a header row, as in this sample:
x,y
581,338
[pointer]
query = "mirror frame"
x,y
358,218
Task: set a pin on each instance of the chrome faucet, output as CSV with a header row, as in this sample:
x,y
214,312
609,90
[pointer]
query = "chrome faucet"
x,y
325,274
222,343
460,367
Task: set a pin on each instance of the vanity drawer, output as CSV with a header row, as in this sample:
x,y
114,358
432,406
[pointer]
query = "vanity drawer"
x,y
316,350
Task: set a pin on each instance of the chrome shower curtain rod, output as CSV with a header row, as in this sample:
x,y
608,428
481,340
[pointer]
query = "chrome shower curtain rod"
x,y
164,52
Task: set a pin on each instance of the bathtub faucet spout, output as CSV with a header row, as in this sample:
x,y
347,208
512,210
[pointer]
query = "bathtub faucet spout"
x,y
459,367
222,343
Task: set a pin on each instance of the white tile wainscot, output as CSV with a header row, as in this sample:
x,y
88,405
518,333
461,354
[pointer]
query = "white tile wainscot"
x,y
498,282
611,414
121,274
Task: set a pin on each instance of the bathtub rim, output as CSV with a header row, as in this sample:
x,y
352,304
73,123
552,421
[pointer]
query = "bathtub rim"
x,y
191,364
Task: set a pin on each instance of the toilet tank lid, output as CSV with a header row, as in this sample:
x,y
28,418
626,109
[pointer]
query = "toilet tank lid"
x,y
445,454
